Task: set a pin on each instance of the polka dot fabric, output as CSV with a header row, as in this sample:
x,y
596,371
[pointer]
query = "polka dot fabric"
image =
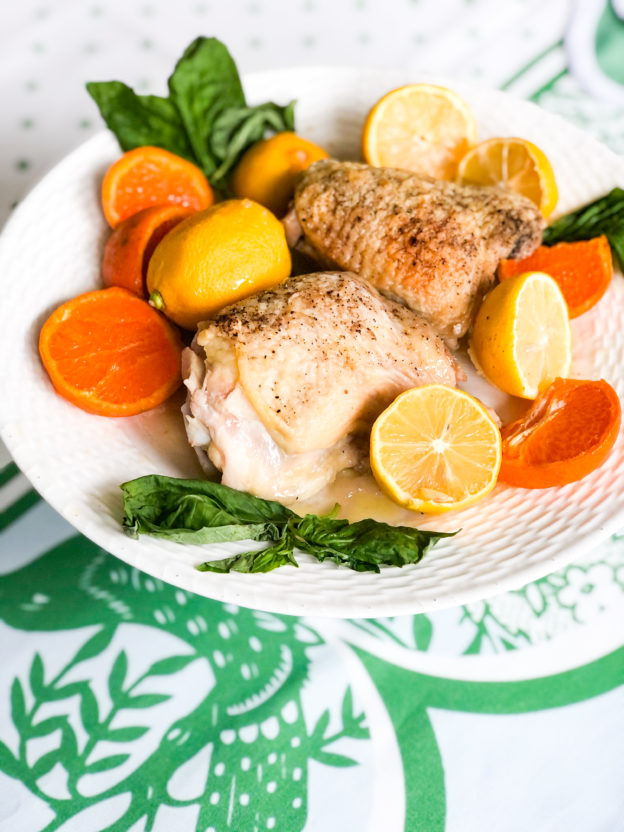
x,y
51,49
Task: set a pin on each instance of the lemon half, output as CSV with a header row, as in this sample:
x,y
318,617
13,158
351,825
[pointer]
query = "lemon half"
x,y
521,339
516,163
419,127
435,449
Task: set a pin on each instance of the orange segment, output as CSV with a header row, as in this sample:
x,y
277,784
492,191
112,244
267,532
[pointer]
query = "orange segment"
x,y
110,353
435,449
419,127
148,176
583,270
567,432
516,163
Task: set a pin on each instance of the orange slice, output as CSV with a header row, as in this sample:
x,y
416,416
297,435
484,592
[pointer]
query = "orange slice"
x,y
566,433
419,127
583,270
435,449
148,176
130,247
108,352
516,163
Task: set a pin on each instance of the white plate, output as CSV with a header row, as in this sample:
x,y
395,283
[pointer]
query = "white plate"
x,y
51,250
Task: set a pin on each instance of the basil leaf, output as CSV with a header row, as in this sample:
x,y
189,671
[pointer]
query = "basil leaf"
x,y
263,560
603,216
154,497
239,127
365,545
205,118
208,534
204,83
196,511
138,120
199,511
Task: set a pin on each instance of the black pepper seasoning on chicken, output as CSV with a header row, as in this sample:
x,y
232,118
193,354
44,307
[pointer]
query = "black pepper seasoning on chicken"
x,y
432,244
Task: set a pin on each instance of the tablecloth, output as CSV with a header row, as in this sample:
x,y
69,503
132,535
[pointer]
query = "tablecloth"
x,y
128,704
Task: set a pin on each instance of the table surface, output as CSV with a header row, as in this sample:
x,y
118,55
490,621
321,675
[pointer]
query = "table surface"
x,y
126,704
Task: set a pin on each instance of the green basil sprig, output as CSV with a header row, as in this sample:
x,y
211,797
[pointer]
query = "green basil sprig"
x,y
205,119
603,216
198,511
237,128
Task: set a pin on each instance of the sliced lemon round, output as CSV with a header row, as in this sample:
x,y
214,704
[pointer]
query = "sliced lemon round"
x,y
516,163
435,449
419,127
521,338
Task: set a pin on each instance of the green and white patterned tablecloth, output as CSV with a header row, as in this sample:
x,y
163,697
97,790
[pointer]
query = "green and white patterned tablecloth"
x,y
127,704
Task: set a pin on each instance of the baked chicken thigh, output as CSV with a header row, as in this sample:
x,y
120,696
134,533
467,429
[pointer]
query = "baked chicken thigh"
x,y
283,386
432,244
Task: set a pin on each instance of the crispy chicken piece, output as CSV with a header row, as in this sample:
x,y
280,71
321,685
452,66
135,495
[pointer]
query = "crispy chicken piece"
x,y
432,244
283,386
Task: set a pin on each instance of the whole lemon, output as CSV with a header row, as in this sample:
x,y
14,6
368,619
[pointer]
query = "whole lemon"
x,y
269,169
215,257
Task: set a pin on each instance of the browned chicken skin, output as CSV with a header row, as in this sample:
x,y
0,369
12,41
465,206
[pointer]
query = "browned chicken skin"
x,y
432,244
